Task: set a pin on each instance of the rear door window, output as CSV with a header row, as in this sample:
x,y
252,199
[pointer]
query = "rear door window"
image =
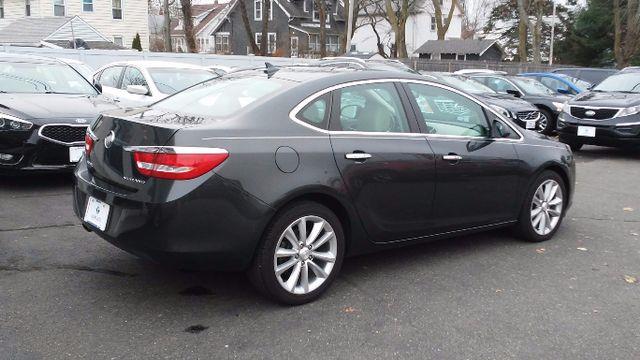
x,y
317,112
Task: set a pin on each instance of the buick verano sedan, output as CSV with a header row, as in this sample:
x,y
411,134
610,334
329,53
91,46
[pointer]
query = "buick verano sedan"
x,y
285,172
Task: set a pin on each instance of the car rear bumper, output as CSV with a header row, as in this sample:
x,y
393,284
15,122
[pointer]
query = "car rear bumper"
x,y
216,226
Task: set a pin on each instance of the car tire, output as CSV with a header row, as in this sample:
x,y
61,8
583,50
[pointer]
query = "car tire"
x,y
574,145
549,126
324,239
541,204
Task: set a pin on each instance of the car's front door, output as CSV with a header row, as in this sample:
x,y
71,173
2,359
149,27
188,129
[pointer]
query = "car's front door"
x,y
477,176
109,79
386,164
133,77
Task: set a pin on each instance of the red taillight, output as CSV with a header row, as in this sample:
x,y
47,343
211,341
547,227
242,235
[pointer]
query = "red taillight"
x,y
88,143
178,163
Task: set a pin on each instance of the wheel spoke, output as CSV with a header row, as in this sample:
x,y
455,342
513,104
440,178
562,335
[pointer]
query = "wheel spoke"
x,y
302,230
537,219
535,212
304,278
328,235
317,270
292,238
324,256
554,190
281,252
294,277
547,191
285,266
554,212
315,231
556,201
543,223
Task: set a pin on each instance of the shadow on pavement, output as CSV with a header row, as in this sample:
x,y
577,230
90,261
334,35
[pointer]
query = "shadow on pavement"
x,y
35,182
590,153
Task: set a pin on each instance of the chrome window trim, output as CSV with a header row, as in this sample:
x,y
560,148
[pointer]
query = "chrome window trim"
x,y
294,112
75,143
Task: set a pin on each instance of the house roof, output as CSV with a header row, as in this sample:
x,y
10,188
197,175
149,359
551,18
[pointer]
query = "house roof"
x,y
211,11
456,46
59,31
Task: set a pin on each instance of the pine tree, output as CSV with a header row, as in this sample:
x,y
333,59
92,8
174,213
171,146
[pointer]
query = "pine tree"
x,y
136,44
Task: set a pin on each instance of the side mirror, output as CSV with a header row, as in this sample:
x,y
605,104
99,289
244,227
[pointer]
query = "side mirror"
x,y
500,130
98,86
563,91
137,90
515,93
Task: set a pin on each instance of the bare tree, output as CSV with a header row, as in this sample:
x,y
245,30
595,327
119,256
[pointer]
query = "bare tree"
x,y
442,22
523,21
166,29
187,21
321,7
536,27
264,38
345,13
247,26
372,17
397,15
474,14
626,22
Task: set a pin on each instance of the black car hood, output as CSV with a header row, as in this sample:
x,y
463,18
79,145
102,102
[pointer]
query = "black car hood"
x,y
604,99
45,107
506,101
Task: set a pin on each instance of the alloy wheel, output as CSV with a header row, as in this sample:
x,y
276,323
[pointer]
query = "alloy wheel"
x,y
305,254
546,207
543,122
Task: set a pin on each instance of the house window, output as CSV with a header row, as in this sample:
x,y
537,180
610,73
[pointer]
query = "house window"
x,y
272,41
118,40
294,46
59,8
316,15
116,9
331,43
257,10
314,42
433,23
27,8
222,43
87,5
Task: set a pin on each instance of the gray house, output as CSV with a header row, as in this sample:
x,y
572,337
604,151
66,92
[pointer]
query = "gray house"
x,y
461,49
294,28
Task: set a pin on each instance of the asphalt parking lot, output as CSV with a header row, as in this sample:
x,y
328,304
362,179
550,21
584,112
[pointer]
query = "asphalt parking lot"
x,y
65,293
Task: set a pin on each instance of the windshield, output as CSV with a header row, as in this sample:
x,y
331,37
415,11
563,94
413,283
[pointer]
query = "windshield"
x,y
30,78
221,97
629,82
467,84
577,82
531,86
170,81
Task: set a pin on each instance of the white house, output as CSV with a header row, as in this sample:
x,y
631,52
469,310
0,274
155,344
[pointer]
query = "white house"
x,y
206,17
420,27
118,20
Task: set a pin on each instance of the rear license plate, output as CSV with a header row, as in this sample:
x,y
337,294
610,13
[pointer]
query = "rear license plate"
x,y
97,213
531,124
587,131
75,153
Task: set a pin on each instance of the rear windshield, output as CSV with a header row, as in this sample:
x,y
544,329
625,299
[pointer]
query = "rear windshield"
x,y
170,81
221,97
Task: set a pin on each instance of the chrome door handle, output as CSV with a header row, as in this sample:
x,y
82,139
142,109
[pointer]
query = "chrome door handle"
x,y
452,157
360,156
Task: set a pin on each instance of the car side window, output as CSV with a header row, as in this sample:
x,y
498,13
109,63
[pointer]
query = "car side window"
x,y
555,84
447,113
110,76
133,76
317,112
498,85
371,108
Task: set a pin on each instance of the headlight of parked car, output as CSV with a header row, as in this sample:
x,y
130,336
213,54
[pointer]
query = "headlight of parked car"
x,y
559,106
503,111
8,122
566,108
629,111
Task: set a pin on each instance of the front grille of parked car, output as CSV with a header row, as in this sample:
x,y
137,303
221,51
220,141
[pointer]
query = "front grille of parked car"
x,y
528,115
63,134
597,113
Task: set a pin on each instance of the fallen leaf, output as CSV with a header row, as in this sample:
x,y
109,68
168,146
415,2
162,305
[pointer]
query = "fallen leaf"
x,y
630,279
634,234
627,209
582,249
541,250
349,310
498,290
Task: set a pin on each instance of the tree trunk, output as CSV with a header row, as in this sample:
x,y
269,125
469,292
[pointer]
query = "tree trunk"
x,y
522,29
247,27
322,10
379,42
166,29
537,33
187,21
264,41
442,25
398,22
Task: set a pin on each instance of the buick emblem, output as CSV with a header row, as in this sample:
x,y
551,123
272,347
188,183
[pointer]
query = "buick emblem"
x,y
108,141
589,112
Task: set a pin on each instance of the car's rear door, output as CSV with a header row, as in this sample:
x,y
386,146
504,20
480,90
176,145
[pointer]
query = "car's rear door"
x,y
477,176
386,164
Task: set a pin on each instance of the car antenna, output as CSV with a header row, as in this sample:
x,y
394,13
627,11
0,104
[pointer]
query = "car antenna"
x,y
270,70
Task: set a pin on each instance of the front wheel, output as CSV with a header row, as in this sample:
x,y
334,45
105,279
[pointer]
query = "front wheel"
x,y
547,123
543,209
300,255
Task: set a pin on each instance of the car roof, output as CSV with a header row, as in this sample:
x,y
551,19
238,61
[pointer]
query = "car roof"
x,y
27,58
148,64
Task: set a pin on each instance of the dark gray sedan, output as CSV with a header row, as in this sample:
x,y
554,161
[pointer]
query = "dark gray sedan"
x,y
284,172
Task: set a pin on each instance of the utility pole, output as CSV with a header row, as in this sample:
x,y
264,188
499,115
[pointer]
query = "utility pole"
x,y
349,26
553,30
